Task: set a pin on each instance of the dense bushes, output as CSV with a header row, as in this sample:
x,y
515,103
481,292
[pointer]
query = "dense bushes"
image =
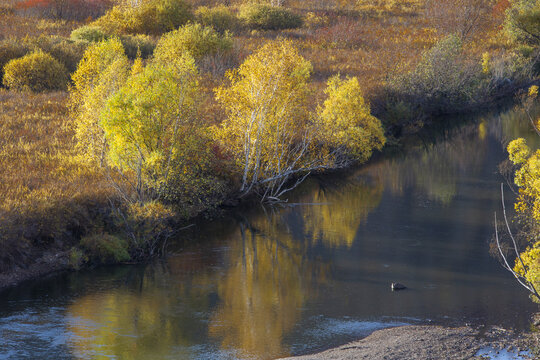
x,y
152,17
66,51
195,39
443,81
522,23
266,17
135,45
37,71
105,248
10,49
221,18
89,33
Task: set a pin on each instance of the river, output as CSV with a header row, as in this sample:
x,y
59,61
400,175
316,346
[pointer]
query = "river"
x,y
261,283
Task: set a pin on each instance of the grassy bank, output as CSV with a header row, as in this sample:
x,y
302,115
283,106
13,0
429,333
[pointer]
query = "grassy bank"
x,y
411,60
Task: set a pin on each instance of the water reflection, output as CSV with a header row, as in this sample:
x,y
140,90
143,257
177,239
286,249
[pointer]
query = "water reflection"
x,y
267,282
315,273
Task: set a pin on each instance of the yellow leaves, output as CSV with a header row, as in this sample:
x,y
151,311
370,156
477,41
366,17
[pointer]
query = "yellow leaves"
x,y
527,177
518,151
533,91
266,99
344,120
195,39
103,70
486,63
531,260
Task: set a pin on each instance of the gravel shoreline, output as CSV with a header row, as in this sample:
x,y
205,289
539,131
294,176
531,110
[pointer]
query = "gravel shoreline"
x,y
430,342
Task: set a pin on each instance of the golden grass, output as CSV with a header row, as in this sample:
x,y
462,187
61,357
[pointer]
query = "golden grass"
x,y
47,193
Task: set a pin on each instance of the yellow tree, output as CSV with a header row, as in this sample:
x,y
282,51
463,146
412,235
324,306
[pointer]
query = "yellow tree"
x,y
527,177
345,124
269,128
148,124
102,71
267,124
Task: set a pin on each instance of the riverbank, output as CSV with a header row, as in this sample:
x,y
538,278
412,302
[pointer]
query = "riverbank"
x,y
433,342
46,259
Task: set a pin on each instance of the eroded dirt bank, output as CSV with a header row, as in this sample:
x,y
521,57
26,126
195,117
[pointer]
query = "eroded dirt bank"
x,y
428,342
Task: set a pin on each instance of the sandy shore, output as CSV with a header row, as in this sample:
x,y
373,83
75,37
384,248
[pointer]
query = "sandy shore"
x,y
427,342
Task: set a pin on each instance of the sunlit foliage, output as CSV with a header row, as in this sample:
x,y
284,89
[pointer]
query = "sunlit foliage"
x,y
345,121
102,71
152,17
221,18
37,71
527,206
266,103
267,17
195,39
89,33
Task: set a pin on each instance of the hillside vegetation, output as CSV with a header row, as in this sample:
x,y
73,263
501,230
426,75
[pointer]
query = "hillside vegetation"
x,y
121,120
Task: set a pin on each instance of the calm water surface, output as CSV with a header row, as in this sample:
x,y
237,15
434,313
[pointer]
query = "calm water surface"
x,y
316,273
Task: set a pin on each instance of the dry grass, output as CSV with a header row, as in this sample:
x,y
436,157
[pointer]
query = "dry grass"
x,y
48,196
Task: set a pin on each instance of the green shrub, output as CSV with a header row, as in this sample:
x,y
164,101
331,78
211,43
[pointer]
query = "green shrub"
x,y
10,49
133,44
152,17
266,17
105,248
37,71
76,258
67,52
196,39
221,18
522,22
89,33
442,82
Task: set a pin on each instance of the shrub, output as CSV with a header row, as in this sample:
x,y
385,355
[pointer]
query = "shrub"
x,y
312,20
196,39
37,71
443,81
66,9
345,122
89,33
266,17
135,44
152,17
67,52
522,22
10,49
105,248
221,18
149,225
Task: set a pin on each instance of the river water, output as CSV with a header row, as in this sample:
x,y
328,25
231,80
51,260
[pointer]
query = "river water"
x,y
267,282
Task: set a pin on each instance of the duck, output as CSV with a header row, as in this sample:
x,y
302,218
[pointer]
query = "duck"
x,y
397,286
